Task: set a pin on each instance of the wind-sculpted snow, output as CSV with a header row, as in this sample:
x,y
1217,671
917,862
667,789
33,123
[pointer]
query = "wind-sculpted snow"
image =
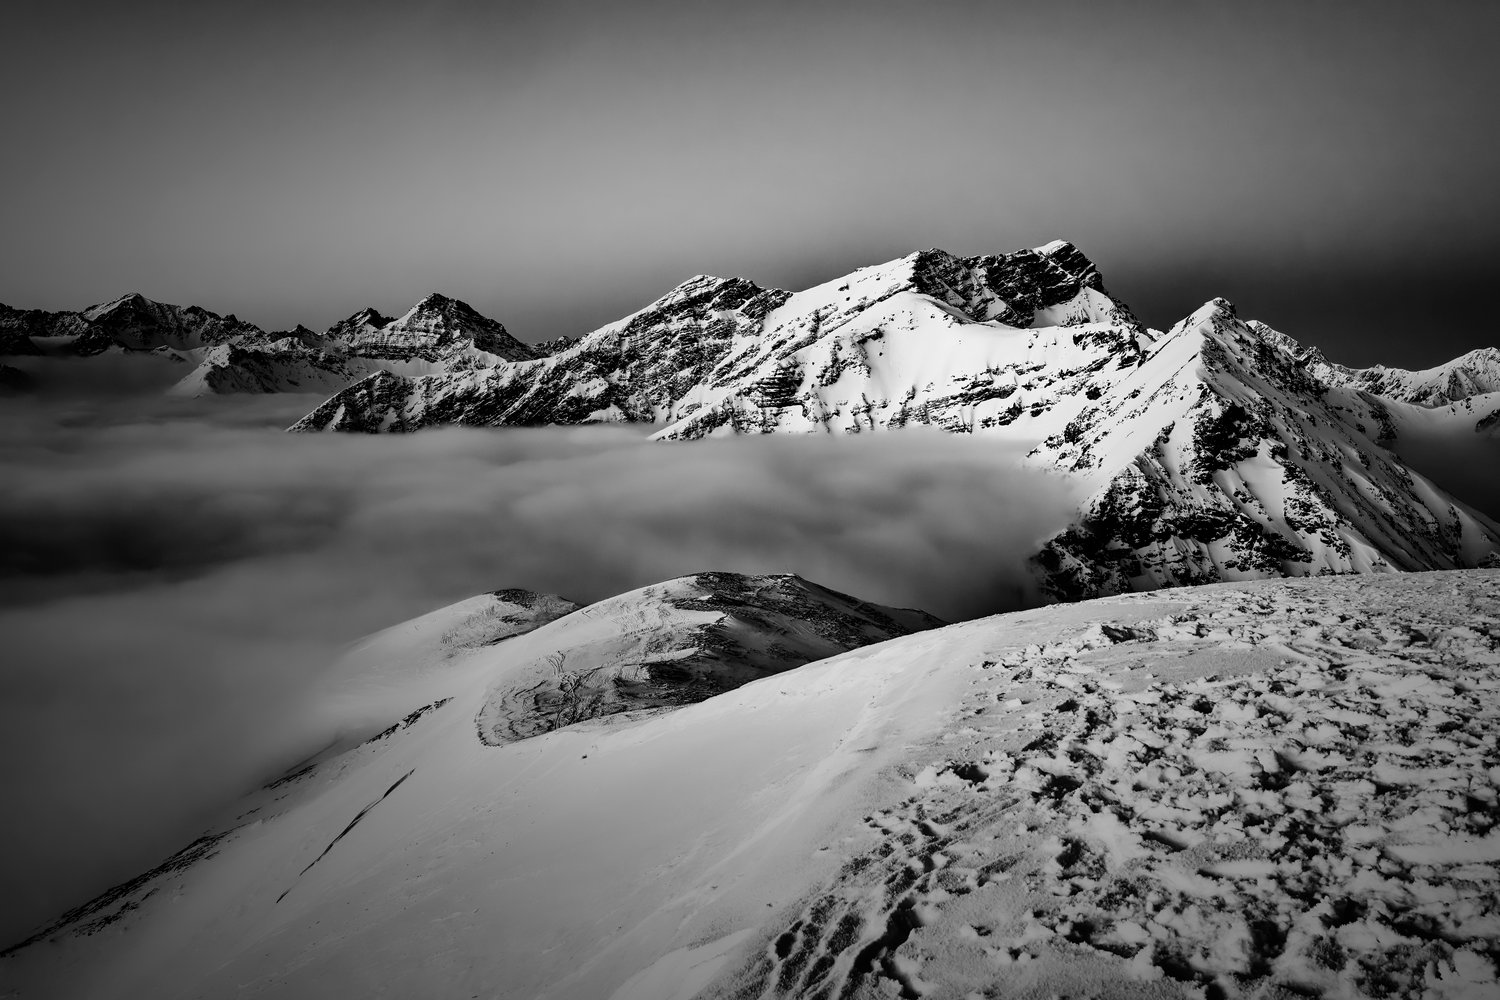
x,y
1256,790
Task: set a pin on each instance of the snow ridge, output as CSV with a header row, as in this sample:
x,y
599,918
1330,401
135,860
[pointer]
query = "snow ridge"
x,y
1251,790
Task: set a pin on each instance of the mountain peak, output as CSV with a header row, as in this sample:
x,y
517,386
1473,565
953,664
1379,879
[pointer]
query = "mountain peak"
x,y
1067,256
709,292
365,317
1217,308
703,284
1058,246
130,300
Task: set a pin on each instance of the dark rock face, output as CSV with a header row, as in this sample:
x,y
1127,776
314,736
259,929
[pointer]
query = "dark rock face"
x,y
18,326
1010,288
547,348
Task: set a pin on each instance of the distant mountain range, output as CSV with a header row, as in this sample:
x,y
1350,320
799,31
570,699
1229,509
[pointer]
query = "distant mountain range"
x,y
1220,449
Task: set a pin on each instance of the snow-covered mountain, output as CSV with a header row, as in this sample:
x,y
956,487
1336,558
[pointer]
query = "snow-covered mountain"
x,y
132,322
963,343
1220,456
1255,790
1218,450
20,329
141,324
1468,375
436,335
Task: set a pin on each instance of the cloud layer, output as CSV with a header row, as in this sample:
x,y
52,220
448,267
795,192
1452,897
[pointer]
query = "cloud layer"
x,y
175,576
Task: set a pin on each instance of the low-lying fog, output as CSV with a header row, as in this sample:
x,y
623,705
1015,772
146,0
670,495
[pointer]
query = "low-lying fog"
x,y
175,574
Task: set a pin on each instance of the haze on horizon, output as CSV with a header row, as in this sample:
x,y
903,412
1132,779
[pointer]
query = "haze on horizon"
x,y
1327,167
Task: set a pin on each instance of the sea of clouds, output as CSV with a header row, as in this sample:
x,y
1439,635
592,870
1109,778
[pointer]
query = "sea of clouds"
x,y
176,574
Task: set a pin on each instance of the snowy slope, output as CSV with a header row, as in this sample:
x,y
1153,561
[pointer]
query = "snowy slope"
x,y
1252,789
284,365
962,343
436,335
1219,450
1455,445
1221,457
1472,374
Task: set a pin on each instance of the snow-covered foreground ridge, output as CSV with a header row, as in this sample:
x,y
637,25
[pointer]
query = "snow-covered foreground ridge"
x,y
1263,789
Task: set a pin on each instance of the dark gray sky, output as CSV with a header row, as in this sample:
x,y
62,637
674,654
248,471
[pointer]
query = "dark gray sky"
x,y
1329,166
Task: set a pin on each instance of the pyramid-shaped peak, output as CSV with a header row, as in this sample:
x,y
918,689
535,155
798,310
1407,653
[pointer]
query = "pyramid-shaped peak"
x,y
130,300
449,308
1216,308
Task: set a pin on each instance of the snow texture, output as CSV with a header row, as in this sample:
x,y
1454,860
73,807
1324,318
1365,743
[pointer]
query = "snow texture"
x,y
1267,789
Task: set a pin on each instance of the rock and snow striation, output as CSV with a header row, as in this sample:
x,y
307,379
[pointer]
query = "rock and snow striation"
x,y
1248,790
